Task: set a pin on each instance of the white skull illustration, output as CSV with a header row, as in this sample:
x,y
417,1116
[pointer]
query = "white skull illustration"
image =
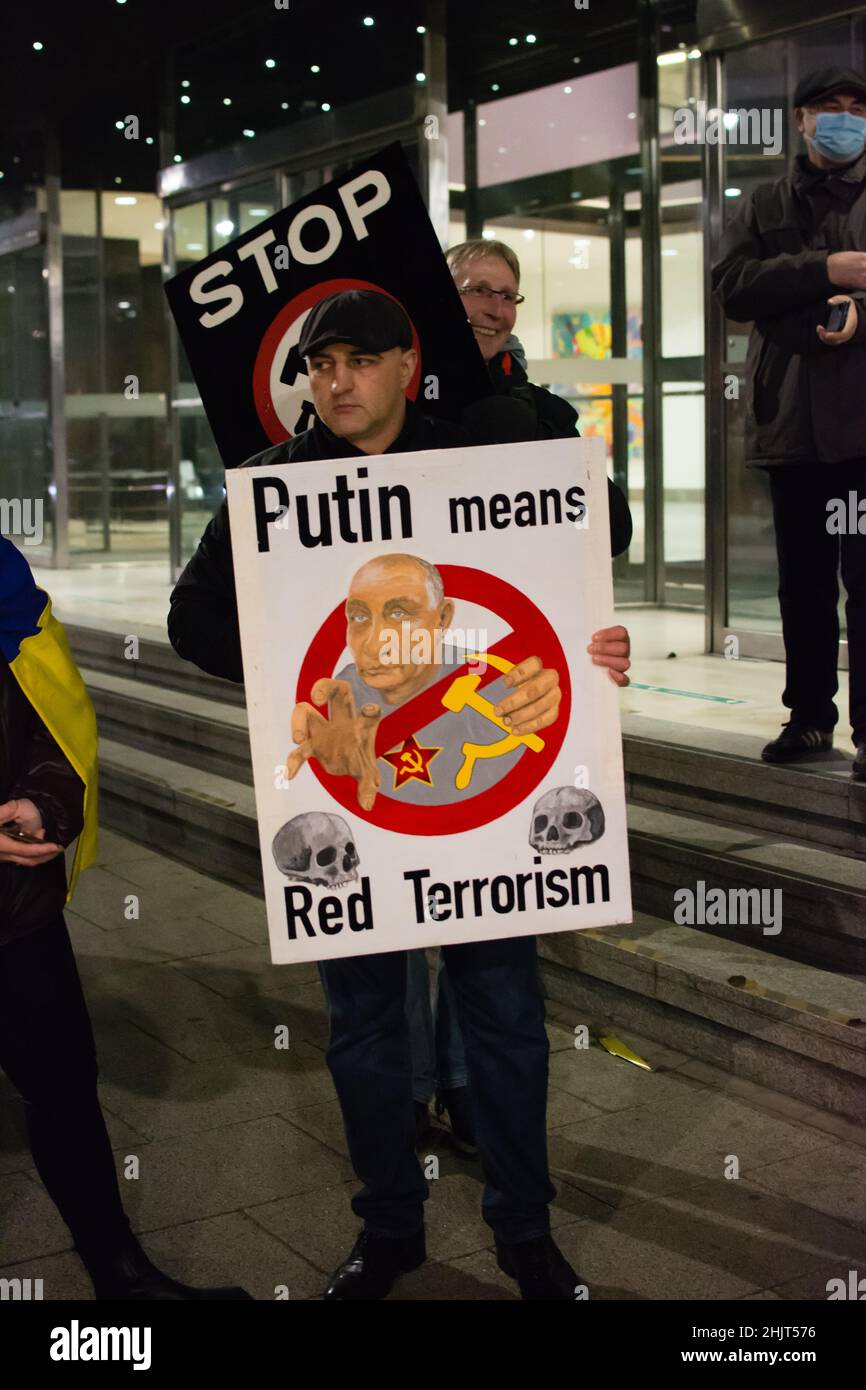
x,y
564,818
316,847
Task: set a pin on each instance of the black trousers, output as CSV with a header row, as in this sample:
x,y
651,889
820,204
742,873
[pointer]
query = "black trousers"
x,y
48,1053
810,559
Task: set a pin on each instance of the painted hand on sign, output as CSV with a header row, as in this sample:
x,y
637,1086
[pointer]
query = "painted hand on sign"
x,y
344,744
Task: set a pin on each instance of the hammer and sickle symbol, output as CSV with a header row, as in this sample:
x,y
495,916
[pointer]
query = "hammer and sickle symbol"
x,y
462,692
413,761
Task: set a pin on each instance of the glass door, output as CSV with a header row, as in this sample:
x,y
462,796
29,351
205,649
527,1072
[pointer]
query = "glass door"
x,y
26,512
760,77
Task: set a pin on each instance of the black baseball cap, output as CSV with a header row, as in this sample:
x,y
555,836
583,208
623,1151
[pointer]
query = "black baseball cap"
x,y
367,319
823,82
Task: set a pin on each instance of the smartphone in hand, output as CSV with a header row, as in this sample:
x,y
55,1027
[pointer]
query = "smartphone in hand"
x,y
837,317
9,830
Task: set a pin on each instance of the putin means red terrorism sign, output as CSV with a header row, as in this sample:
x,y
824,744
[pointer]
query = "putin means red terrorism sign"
x,y
240,310
436,758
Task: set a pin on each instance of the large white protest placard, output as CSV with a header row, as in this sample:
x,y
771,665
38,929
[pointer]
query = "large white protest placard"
x,y
382,600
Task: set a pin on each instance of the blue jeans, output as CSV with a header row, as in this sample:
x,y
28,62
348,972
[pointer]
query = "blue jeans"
x,y
438,1058
501,1014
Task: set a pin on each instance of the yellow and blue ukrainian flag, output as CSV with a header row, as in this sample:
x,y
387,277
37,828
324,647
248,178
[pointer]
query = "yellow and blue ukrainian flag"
x,y
37,650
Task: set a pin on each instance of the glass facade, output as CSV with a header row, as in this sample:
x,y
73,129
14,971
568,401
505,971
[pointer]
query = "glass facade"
x,y
609,215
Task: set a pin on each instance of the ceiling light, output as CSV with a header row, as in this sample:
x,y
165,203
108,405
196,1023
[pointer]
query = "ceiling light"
x,y
733,192
494,87
227,101
482,121
489,236
512,42
118,125
185,82
420,77
693,53
118,179
529,233
195,246
568,91
249,133
315,68
632,115
224,228
284,106
729,120
159,226
177,158
369,21
326,106
259,212
270,62
530,38
126,201
38,46
185,100
123,304
665,60
148,139
669,251
421,29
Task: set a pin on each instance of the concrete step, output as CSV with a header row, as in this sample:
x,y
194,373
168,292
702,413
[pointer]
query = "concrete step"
x,y
157,664
823,893
782,1024
773,1021
721,777
188,727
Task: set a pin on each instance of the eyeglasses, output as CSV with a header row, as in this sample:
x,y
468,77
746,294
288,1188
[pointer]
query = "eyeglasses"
x,y
485,292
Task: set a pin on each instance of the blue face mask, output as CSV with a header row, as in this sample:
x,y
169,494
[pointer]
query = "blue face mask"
x,y
839,135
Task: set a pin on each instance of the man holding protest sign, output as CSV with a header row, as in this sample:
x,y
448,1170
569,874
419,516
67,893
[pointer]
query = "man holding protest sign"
x,y
357,345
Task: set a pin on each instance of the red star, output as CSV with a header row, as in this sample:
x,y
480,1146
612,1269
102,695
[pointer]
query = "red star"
x,y
411,761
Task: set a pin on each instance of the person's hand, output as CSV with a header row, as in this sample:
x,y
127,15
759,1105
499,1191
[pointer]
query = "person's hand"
x,y
845,334
535,702
344,745
610,647
25,817
847,269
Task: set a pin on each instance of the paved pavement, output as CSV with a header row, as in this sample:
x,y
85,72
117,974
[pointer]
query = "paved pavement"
x,y
243,1171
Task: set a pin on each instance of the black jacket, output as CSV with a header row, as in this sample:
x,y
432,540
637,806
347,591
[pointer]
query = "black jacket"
x,y
557,417
32,765
806,401
203,617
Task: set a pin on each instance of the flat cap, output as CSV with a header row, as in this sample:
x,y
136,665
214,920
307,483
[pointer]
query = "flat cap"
x,y
823,82
366,319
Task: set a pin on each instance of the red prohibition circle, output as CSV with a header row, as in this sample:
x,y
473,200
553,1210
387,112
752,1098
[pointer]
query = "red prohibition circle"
x,y
270,420
531,635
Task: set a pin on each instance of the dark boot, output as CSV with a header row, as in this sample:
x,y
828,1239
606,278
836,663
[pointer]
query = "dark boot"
x,y
374,1265
540,1268
128,1275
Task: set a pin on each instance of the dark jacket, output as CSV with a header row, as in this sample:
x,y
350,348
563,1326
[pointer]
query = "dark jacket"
x,y
806,401
557,417
203,617
32,765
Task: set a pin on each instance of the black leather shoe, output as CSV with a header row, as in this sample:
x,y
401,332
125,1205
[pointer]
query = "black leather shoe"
x,y
375,1264
797,741
129,1277
458,1104
540,1268
858,769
